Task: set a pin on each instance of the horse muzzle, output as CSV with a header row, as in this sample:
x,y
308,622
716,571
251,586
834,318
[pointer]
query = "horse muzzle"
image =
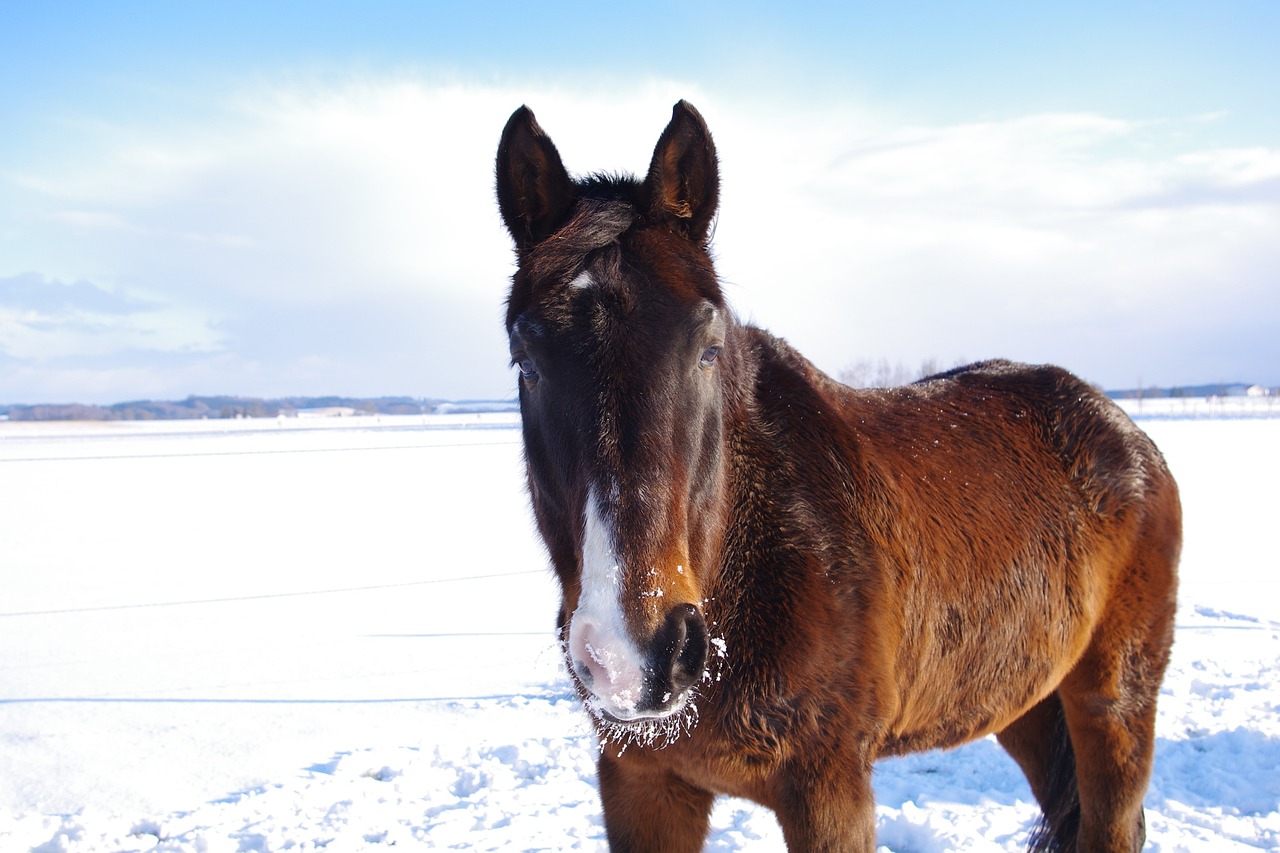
x,y
629,682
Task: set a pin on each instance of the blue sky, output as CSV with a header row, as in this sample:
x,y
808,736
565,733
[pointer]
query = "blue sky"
x,y
273,199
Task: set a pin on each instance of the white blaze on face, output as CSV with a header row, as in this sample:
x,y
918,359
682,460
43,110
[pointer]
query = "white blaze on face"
x,y
604,655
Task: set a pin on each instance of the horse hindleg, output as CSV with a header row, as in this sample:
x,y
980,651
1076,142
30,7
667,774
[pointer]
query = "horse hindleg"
x,y
1110,696
1110,704
1114,740
651,810
1039,742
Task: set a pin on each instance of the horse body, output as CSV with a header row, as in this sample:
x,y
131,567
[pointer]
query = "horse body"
x,y
771,580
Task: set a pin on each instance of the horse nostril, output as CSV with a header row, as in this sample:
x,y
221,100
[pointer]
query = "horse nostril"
x,y
686,646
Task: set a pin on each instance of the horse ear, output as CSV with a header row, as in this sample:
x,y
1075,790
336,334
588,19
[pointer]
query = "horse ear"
x,y
683,185
534,190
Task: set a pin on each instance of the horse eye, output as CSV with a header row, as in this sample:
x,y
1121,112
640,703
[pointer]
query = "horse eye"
x,y
527,368
709,356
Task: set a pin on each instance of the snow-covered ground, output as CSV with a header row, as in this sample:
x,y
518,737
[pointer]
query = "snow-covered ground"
x,y
295,635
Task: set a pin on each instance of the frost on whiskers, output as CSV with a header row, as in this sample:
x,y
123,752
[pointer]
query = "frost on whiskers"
x,y
656,733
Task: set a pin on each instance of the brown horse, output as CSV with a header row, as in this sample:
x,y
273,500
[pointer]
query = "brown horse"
x,y
771,580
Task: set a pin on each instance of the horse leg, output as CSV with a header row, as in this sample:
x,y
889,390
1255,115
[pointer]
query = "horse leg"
x,y
648,809
1110,704
1039,742
1114,741
826,810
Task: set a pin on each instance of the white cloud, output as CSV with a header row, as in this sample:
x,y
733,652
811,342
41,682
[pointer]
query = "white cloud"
x,y
353,227
1035,238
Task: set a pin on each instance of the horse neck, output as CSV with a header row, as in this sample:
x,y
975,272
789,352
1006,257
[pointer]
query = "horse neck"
x,y
776,400
780,415
756,468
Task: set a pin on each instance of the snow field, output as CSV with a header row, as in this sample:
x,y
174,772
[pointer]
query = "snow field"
x,y
273,637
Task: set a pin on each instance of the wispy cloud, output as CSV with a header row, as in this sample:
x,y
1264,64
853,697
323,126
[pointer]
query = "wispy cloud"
x,y
96,219
43,321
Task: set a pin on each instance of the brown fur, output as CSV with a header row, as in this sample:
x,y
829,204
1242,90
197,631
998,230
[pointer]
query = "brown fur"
x,y
990,550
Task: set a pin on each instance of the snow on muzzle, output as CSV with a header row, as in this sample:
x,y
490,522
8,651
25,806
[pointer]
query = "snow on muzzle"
x,y
628,683
629,678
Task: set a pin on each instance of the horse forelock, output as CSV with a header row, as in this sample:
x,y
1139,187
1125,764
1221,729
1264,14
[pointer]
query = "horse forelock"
x,y
594,225
592,241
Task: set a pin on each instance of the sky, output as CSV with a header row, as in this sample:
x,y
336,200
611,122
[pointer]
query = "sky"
x,y
296,198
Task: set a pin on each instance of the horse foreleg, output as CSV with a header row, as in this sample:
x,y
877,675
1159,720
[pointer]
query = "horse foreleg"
x,y
829,810
647,810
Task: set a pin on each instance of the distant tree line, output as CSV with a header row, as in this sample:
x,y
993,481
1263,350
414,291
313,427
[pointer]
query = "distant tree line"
x,y
882,373
1212,389
215,407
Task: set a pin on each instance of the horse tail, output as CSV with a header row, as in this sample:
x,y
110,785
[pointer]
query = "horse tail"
x,y
1060,799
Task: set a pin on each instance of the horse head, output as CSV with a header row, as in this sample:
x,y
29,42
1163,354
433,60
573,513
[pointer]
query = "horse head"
x,y
623,341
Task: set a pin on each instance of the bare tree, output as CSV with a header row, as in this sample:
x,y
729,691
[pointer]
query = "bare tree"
x,y
857,374
881,373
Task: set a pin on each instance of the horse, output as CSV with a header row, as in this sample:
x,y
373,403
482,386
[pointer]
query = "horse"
x,y
770,580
